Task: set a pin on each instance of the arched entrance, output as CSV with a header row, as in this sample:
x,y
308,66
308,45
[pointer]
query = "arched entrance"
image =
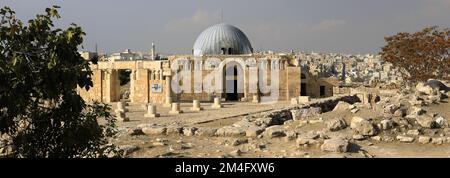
x,y
303,85
233,82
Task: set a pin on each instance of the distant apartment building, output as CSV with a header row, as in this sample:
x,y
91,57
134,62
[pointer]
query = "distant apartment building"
x,y
125,55
128,55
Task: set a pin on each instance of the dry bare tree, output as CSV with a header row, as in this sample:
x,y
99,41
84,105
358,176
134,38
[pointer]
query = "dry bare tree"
x,y
421,55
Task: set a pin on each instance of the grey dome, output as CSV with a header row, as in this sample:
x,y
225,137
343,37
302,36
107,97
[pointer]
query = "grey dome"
x,y
222,39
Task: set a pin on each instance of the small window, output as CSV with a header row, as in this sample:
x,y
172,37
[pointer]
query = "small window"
x,y
223,51
322,90
303,89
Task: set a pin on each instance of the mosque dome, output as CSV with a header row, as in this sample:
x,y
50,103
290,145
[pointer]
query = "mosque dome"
x,y
222,39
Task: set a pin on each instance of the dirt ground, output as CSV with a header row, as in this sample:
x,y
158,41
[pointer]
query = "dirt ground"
x,y
213,147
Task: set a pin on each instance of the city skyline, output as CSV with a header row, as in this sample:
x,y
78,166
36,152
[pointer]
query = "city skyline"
x,y
347,26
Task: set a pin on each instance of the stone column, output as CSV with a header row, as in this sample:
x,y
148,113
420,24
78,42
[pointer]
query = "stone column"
x,y
120,115
121,107
107,89
366,99
145,106
255,98
294,101
151,111
196,106
132,85
175,109
168,98
112,84
217,103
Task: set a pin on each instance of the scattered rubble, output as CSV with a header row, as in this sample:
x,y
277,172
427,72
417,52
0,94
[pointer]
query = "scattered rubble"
x,y
206,132
424,139
426,121
363,126
337,145
386,124
189,131
274,131
231,131
326,127
128,149
405,139
336,124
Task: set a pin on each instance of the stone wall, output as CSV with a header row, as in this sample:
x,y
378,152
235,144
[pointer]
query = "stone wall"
x,y
147,73
325,105
106,84
140,88
105,88
256,123
294,79
314,83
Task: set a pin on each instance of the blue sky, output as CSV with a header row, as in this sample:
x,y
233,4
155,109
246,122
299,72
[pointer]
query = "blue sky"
x,y
349,26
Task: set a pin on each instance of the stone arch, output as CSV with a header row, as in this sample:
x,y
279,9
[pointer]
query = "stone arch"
x,y
239,72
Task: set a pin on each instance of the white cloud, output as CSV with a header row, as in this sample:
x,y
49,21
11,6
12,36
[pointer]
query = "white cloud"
x,y
200,18
328,24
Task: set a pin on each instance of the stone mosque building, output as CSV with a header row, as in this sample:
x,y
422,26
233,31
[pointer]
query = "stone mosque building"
x,y
223,57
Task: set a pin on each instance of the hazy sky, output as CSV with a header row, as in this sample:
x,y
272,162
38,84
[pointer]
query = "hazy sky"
x,y
350,26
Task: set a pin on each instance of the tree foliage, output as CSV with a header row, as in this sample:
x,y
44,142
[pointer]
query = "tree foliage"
x,y
422,55
40,70
124,76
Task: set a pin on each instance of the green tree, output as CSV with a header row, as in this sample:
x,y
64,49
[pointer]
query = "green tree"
x,y
421,55
41,111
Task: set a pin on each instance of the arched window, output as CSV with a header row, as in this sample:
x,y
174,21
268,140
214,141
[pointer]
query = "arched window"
x,y
230,51
223,51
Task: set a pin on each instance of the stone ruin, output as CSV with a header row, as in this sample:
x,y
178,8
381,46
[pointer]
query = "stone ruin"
x,y
403,118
